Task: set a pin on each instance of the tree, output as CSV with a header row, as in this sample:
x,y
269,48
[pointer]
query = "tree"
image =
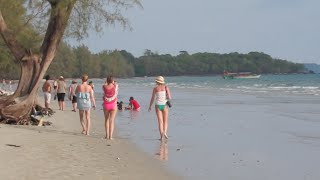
x,y
55,15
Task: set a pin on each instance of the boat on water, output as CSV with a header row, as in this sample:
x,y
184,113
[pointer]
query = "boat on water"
x,y
241,75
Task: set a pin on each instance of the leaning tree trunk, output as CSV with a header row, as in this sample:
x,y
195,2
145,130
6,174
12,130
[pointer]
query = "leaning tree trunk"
x,y
17,107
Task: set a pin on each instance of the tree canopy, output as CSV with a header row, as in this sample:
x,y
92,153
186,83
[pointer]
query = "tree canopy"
x,y
49,20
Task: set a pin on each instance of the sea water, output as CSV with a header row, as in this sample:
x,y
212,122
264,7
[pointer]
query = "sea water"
x,y
266,128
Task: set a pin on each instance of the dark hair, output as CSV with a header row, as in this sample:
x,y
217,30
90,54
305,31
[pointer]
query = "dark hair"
x,y
90,82
47,77
110,79
131,98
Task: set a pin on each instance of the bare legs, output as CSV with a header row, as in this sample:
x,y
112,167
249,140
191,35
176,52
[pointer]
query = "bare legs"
x,y
162,122
61,105
87,112
74,106
109,117
85,125
46,104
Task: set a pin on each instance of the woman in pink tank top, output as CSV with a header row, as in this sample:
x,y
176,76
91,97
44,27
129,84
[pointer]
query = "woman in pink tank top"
x,y
110,89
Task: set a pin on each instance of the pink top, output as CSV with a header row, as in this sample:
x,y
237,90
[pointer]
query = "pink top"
x,y
110,95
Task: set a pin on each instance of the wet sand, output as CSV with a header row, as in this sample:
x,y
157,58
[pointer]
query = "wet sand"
x,y
60,151
221,135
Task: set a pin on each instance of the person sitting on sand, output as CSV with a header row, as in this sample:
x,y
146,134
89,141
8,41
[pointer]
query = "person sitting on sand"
x,y
133,105
85,99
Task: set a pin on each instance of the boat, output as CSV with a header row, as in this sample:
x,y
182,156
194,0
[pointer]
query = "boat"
x,y
240,75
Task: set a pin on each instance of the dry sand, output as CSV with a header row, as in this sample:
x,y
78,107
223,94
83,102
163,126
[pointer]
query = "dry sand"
x,y
62,152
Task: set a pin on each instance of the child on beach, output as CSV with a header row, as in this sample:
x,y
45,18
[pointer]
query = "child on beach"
x,y
119,104
133,105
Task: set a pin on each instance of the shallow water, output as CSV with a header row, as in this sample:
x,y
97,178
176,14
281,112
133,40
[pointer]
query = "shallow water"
x,y
265,128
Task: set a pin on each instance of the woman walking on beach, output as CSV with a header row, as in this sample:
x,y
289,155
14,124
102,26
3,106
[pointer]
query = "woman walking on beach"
x,y
61,92
162,94
110,89
72,94
85,99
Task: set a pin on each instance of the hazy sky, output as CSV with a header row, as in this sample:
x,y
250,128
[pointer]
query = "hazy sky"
x,y
286,29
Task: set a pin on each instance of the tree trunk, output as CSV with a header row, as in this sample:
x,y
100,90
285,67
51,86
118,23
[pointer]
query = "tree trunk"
x,y
17,107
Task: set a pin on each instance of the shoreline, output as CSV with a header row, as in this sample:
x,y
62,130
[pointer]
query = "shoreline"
x,y
60,151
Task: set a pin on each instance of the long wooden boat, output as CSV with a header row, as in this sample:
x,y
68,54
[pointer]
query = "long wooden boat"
x,y
241,75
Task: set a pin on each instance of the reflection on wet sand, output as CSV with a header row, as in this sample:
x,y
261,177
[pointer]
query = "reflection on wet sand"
x,y
134,115
162,153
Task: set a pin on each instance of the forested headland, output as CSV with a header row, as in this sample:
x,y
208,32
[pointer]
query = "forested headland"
x,y
72,62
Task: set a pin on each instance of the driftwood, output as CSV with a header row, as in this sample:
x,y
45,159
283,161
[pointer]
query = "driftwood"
x,y
36,118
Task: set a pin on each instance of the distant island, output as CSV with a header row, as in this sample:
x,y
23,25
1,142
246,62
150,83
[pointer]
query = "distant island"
x,y
72,62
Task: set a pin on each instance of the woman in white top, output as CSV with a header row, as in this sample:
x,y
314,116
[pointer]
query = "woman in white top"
x,y
162,94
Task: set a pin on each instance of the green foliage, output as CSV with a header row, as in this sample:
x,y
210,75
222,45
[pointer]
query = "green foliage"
x,y
72,62
14,13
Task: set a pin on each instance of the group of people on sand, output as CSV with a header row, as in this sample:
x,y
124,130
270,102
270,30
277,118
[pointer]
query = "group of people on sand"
x,y
82,98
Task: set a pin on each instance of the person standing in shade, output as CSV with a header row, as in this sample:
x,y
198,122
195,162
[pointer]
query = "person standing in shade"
x,y
61,92
85,99
161,94
46,89
72,94
110,89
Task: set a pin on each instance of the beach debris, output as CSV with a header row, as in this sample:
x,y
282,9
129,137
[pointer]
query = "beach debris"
x,y
40,122
13,145
178,149
108,144
118,158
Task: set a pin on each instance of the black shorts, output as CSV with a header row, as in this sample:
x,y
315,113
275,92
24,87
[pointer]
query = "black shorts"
x,y
74,99
61,96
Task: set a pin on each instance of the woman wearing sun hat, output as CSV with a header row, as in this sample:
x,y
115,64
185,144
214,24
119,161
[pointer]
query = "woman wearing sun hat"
x,y
161,94
61,92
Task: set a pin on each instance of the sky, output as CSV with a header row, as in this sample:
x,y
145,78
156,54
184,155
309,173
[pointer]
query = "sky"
x,y
285,29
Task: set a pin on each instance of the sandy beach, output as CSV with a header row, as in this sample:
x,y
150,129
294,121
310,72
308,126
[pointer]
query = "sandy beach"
x,y
60,151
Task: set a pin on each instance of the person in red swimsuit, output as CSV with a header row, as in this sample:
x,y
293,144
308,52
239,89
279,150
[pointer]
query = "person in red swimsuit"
x,y
133,105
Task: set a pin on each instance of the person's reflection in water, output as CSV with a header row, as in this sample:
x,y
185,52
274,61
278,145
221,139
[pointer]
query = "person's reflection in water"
x,y
134,115
162,154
